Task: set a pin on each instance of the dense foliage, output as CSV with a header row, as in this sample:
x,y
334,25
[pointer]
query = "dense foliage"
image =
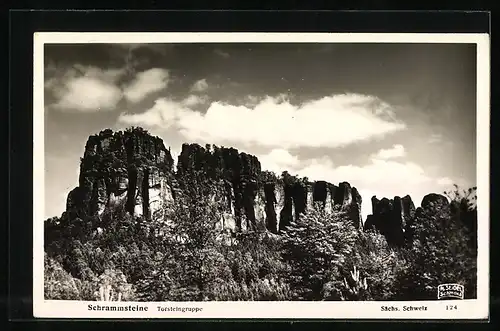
x,y
443,250
184,255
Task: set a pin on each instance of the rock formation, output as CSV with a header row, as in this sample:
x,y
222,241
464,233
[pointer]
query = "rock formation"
x,y
391,218
129,167
395,219
260,199
431,203
435,201
135,169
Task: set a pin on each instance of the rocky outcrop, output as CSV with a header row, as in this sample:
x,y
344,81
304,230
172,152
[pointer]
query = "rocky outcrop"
x,y
237,173
259,199
131,168
435,201
342,196
134,169
391,218
431,204
396,218
349,198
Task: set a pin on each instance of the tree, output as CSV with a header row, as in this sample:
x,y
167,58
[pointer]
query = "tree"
x,y
376,266
467,197
195,262
58,284
160,281
258,273
440,254
112,285
316,247
464,210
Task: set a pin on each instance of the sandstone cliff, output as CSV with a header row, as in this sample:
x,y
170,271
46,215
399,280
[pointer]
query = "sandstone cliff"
x,y
257,199
136,169
129,167
391,217
395,218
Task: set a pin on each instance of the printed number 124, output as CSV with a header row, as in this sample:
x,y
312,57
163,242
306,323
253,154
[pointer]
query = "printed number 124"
x,y
451,307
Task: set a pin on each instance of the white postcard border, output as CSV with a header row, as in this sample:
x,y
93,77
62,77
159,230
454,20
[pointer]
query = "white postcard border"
x,y
466,309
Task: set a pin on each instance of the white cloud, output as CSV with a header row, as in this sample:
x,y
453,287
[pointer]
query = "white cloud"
x,y
278,160
194,100
86,89
145,83
89,94
91,89
381,174
199,86
390,153
164,114
251,101
332,121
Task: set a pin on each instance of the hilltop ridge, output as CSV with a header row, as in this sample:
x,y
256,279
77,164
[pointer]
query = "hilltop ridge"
x,y
135,169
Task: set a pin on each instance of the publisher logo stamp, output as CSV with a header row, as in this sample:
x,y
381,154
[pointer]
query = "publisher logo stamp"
x,y
450,291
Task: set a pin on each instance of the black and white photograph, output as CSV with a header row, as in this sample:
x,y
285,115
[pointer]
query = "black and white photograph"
x,y
191,172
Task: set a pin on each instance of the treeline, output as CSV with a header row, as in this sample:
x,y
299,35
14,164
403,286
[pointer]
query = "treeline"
x,y
184,256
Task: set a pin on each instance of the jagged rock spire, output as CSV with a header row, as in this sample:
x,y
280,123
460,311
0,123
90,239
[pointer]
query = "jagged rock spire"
x,y
135,168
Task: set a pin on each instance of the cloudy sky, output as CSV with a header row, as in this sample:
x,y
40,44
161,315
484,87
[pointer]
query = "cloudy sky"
x,y
391,119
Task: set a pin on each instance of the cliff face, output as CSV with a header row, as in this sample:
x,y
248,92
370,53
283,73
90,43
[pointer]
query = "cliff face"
x,y
256,199
395,218
391,218
135,169
129,167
